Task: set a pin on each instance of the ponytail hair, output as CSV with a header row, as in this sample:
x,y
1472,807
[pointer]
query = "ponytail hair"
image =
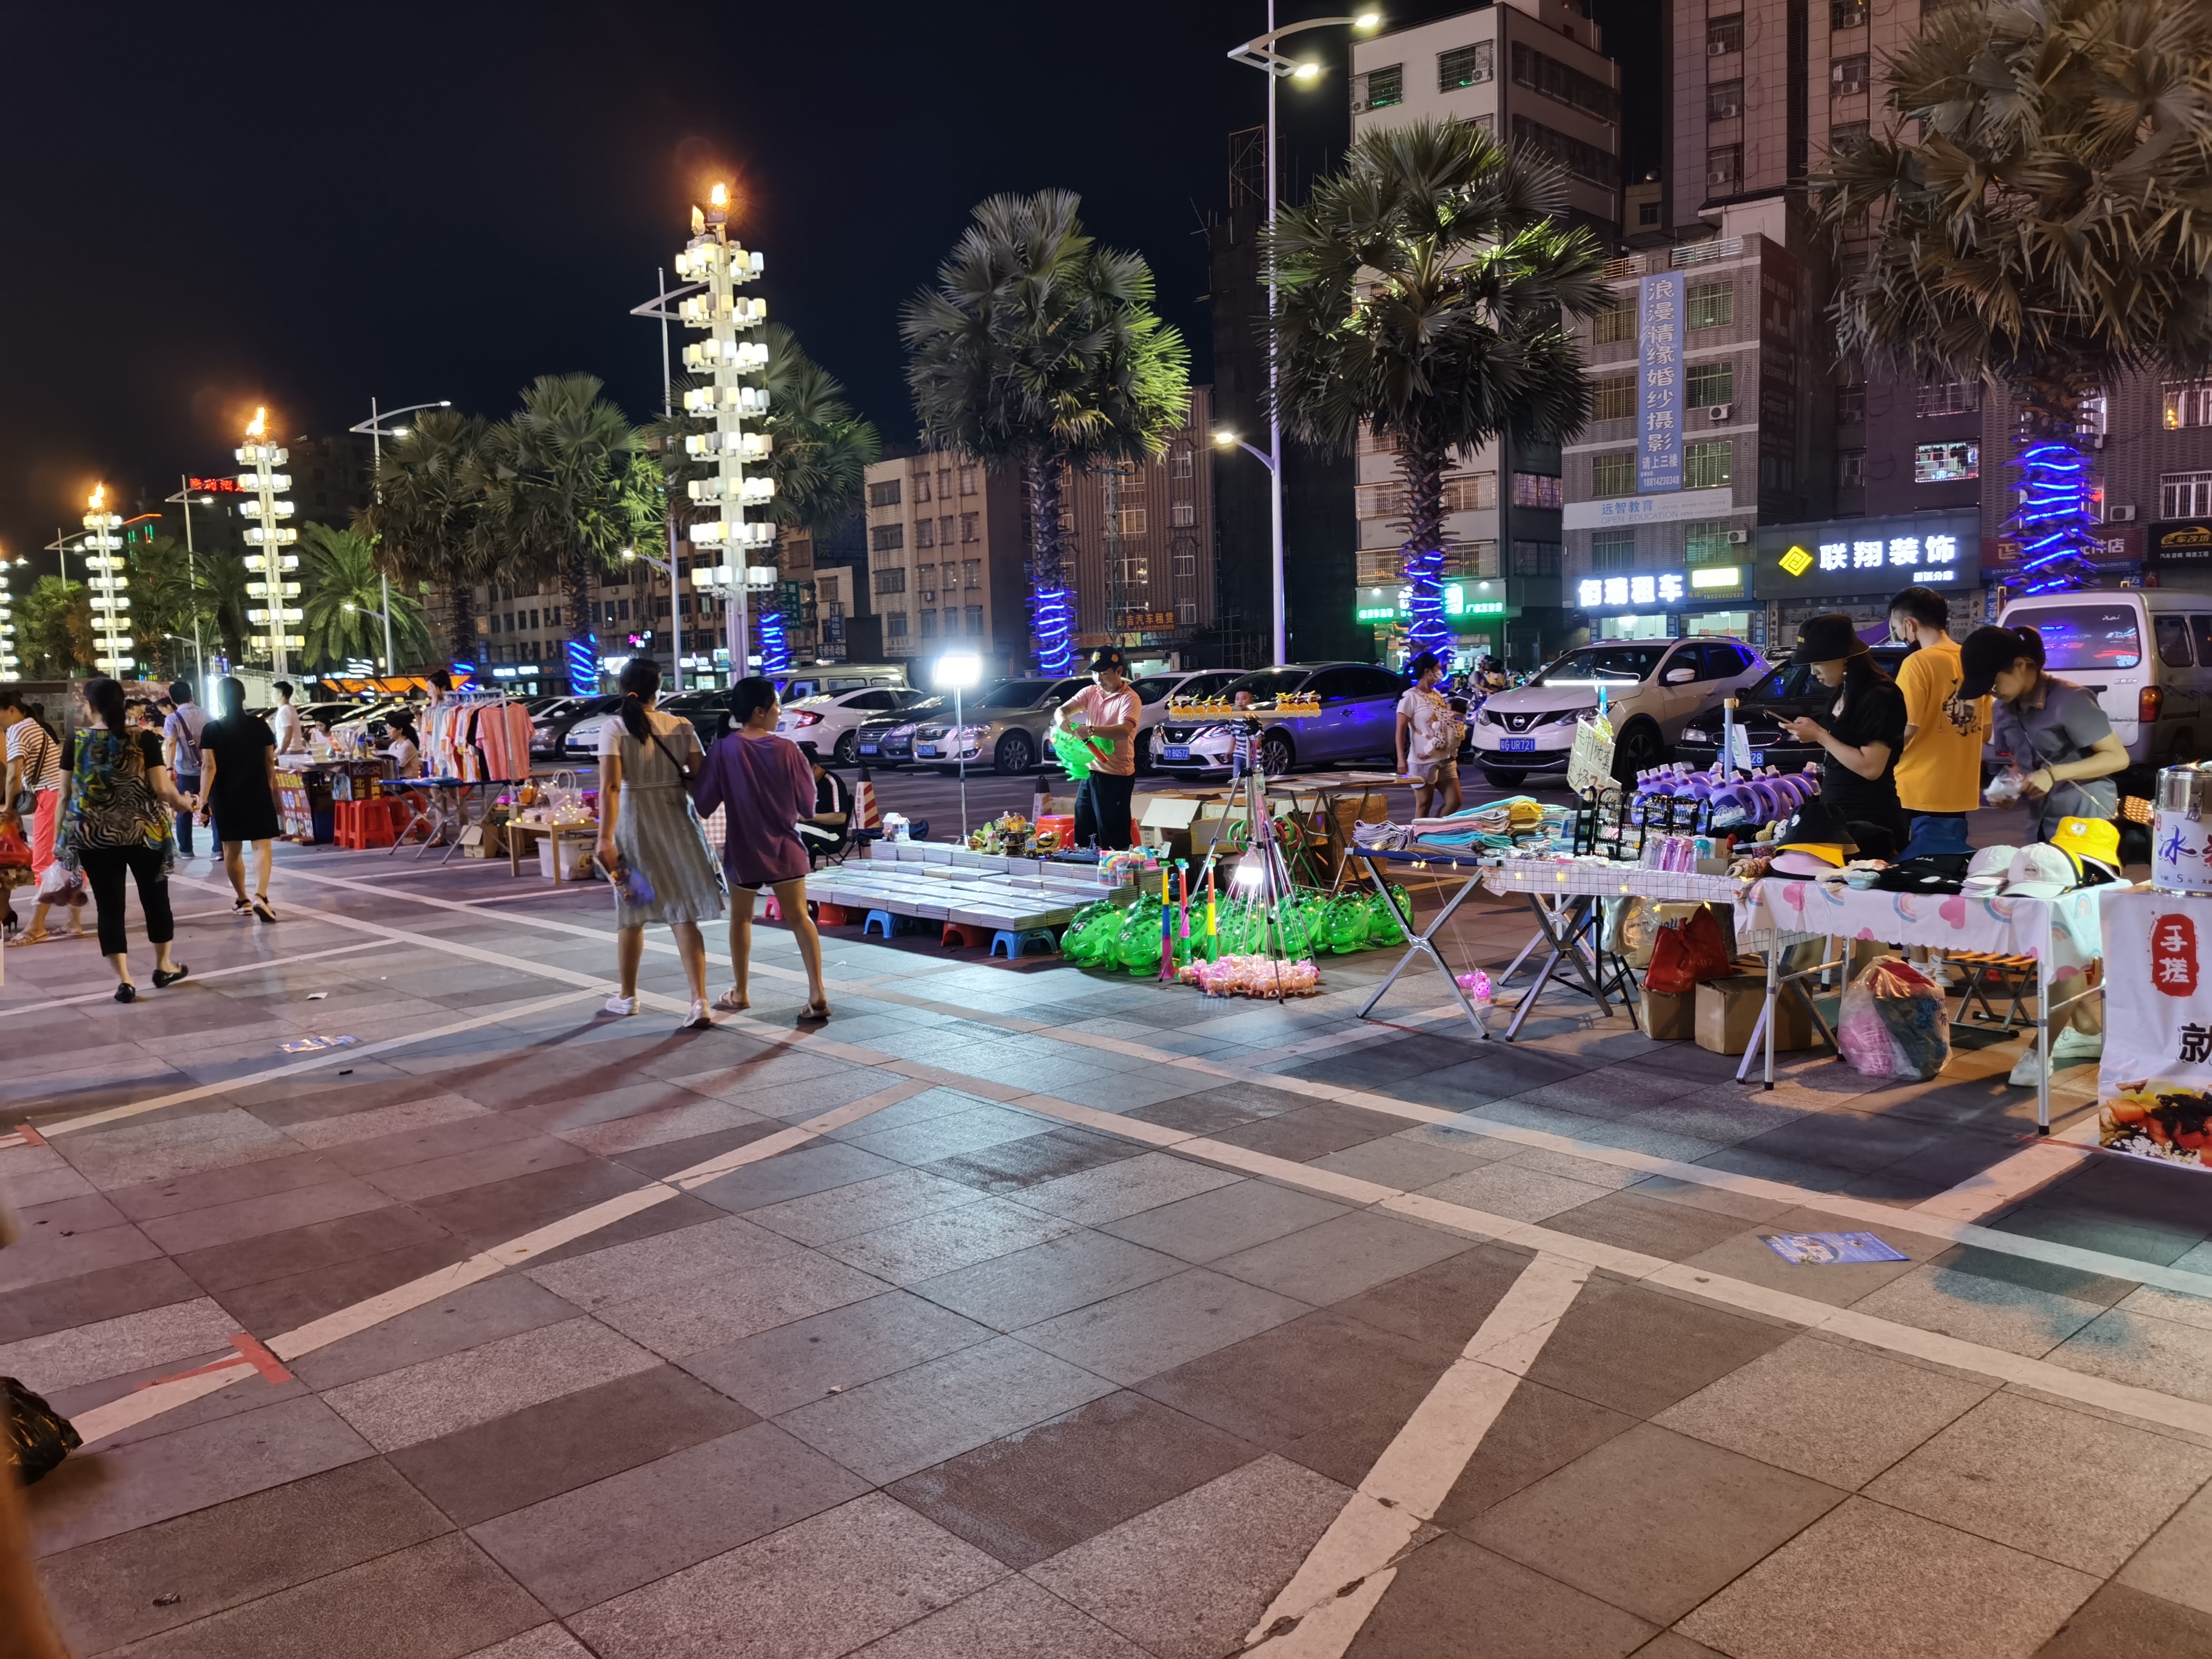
x,y
749,697
639,681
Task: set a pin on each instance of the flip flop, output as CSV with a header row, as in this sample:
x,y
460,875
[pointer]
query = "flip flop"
x,y
731,1003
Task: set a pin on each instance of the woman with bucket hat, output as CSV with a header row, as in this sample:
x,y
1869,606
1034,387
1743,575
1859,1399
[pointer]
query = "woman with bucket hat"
x,y
1862,731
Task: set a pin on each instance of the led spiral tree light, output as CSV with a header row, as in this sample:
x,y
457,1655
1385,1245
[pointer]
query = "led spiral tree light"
x,y
1052,620
776,644
733,399
1426,630
270,538
111,606
2057,532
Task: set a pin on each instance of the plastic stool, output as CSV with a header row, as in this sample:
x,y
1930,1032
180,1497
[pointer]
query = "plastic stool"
x,y
890,923
1018,944
964,934
771,911
827,915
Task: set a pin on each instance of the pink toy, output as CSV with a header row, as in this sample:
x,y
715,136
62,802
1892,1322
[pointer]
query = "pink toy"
x,y
1477,986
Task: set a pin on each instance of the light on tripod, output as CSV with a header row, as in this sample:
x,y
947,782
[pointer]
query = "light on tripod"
x,y
1251,870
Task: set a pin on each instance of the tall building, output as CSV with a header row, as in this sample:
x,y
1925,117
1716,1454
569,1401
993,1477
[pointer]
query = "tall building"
x,y
1143,543
945,554
1533,74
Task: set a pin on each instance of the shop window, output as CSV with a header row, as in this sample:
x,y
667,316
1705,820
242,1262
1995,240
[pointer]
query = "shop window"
x,y
1711,305
1707,465
1613,550
1613,474
1711,383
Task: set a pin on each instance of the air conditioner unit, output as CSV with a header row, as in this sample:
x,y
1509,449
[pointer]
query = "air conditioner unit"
x,y
1724,112
1359,106
1720,181
2119,515
1738,537
1720,412
1716,48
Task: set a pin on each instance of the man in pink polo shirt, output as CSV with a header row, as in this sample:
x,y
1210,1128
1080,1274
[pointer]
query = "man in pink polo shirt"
x,y
1105,713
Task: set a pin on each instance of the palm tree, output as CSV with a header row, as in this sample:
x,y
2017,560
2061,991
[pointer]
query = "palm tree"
x,y
1038,352
561,492
343,589
165,600
428,521
219,583
54,626
1421,293
819,460
2035,215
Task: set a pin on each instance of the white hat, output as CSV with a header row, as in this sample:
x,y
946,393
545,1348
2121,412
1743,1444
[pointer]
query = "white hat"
x,y
1987,872
2040,871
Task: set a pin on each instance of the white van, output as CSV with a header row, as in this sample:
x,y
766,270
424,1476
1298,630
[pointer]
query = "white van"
x,y
820,678
2146,652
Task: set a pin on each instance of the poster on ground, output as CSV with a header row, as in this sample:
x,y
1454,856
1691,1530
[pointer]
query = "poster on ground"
x,y
2155,1086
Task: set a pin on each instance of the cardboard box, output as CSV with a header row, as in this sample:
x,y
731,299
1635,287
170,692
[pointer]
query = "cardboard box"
x,y
1727,1008
1670,1016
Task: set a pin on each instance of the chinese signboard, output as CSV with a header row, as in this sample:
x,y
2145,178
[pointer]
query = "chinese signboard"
x,y
1869,555
2184,541
1384,605
1661,589
2155,1086
1659,383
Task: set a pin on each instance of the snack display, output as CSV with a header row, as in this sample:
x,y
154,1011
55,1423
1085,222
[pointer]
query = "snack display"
x,y
1253,975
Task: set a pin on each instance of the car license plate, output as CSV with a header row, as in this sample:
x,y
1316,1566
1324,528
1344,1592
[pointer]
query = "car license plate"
x,y
1176,751
1757,758
1517,745
925,749
867,749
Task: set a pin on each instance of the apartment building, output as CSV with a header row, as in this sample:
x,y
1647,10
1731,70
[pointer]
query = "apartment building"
x,y
1532,72
945,555
1142,538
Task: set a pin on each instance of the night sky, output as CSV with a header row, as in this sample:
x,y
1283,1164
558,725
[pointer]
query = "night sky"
x,y
209,207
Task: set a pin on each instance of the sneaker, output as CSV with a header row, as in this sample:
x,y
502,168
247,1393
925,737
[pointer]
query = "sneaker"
x,y
699,1018
621,1005
2068,1048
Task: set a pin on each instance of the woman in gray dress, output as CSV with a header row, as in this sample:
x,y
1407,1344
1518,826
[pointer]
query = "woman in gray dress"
x,y
650,842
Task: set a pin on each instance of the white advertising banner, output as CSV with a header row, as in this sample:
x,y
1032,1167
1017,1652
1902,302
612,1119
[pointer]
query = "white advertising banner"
x,y
2155,1086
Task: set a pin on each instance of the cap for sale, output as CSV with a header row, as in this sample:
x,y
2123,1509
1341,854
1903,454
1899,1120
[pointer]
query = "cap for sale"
x,y
1987,873
1936,837
2096,840
2040,871
1818,831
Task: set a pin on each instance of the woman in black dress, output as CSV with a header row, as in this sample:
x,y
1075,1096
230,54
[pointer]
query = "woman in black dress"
x,y
237,790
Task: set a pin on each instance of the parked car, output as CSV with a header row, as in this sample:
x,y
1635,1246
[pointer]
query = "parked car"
x,y
1652,690
1358,720
1005,726
1791,690
888,740
816,679
831,720
2147,653
1153,692
370,717
548,732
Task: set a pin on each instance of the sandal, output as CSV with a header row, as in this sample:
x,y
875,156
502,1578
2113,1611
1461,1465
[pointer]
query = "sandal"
x,y
165,977
814,1012
261,908
730,1002
38,938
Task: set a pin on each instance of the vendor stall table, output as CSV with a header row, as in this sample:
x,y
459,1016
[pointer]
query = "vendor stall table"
x,y
938,882
2063,935
518,834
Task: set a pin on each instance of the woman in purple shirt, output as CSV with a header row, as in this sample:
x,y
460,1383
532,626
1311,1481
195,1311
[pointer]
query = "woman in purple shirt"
x,y
765,786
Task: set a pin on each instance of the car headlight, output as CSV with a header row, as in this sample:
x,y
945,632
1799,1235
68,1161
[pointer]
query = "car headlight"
x,y
1491,717
1565,716
1694,734
969,733
899,731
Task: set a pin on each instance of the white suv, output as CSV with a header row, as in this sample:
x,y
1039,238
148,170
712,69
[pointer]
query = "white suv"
x,y
831,722
1652,687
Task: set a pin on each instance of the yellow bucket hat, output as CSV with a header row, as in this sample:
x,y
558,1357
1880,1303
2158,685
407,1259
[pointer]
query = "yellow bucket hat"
x,y
2097,839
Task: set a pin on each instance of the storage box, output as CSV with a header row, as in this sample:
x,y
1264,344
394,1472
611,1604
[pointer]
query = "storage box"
x,y
1669,1016
574,850
1727,1008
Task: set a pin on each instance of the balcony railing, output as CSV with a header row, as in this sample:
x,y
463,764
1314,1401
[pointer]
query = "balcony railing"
x,y
1675,258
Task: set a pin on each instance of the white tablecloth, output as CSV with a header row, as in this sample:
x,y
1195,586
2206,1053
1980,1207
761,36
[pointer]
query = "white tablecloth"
x,y
1780,908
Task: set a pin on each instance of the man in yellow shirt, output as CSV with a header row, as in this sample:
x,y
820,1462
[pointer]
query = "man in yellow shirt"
x,y
1940,773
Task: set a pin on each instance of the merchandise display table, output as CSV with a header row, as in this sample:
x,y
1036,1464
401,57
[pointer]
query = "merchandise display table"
x,y
519,831
938,882
2064,935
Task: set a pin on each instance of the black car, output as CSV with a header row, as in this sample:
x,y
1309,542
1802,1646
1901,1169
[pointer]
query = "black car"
x,y
550,728
888,740
1790,690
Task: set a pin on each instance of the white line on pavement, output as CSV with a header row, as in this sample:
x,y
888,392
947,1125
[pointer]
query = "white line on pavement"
x,y
198,978
111,1418
1320,1610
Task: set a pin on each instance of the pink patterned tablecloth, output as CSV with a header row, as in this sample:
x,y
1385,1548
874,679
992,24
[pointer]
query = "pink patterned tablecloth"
x,y
1780,908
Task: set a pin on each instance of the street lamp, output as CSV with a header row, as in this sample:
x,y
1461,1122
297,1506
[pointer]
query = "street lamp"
x,y
183,498
666,568
384,616
9,663
717,267
111,606
1260,54
266,485
374,426
958,672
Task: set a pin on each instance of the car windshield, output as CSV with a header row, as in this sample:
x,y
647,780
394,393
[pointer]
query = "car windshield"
x,y
1794,682
1612,663
1266,684
1013,694
1152,690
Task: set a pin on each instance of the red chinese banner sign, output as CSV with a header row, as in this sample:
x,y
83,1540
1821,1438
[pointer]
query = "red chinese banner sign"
x,y
2154,1087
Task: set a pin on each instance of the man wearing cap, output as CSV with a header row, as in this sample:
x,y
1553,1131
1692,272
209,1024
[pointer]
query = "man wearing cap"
x,y
2054,730
1861,732
1105,714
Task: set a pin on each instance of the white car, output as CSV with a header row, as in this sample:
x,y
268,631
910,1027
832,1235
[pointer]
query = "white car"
x,y
1153,692
1652,687
831,722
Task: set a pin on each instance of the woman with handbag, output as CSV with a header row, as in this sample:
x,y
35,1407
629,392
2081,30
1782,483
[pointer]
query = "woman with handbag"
x,y
33,791
765,787
120,821
650,844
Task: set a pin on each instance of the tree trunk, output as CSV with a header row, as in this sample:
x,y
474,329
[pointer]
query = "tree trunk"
x,y
576,589
2053,526
1421,463
463,600
1052,602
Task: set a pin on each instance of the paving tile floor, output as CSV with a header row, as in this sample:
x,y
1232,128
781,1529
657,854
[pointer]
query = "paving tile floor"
x,y
1074,1341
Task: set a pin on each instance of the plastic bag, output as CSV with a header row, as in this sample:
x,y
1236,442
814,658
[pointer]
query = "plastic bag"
x,y
38,1436
1687,953
1894,1022
60,885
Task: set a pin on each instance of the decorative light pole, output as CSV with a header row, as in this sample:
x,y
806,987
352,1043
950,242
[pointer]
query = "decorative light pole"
x,y
719,267
9,665
111,606
267,486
